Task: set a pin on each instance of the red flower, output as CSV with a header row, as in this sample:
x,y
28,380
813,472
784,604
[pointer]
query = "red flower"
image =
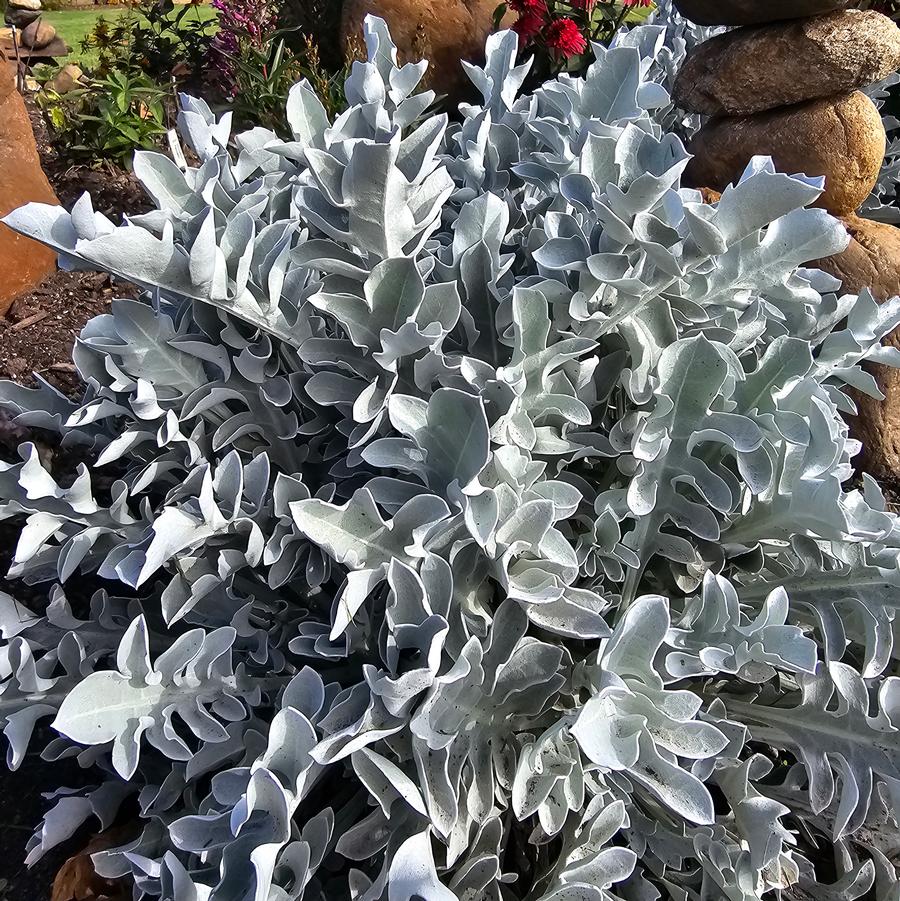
x,y
636,2
564,36
586,5
532,15
528,25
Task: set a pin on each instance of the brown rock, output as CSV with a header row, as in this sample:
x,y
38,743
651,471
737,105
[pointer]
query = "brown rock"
x,y
38,34
23,263
67,79
77,880
872,260
709,195
755,69
754,12
442,32
841,138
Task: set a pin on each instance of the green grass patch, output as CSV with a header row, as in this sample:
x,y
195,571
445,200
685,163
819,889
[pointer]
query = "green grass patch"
x,y
73,25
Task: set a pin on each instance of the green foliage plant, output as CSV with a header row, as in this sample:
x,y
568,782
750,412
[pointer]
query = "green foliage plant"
x,y
108,118
261,75
128,94
156,39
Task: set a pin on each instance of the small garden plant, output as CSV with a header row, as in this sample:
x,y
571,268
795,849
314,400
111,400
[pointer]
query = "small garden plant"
x,y
127,98
106,119
481,509
154,38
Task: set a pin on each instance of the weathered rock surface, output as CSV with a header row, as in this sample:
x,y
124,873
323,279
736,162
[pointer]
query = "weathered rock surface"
x,y
56,48
38,34
754,12
21,18
67,79
442,32
755,69
23,263
841,138
872,260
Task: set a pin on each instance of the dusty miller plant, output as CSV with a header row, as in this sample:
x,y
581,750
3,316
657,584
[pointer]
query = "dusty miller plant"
x,y
485,509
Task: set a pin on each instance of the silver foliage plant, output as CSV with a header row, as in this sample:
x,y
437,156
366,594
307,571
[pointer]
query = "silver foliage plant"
x,y
485,508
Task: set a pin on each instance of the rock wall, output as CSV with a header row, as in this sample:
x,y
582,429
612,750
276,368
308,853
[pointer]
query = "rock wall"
x,y
37,38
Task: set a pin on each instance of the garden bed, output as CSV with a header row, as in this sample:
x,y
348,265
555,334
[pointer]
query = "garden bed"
x,y
40,329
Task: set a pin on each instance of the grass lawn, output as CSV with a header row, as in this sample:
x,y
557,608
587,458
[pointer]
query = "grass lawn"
x,y
72,25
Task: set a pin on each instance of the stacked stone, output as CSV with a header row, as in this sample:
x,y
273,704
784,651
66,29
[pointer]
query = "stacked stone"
x,y
35,36
786,84
21,13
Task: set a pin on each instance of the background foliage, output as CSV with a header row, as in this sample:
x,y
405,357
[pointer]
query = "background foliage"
x,y
135,63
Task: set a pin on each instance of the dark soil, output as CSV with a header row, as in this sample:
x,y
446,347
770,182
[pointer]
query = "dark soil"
x,y
23,807
37,337
38,333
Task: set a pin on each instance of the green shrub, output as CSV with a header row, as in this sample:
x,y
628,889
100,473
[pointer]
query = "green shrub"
x,y
240,61
153,40
108,118
142,57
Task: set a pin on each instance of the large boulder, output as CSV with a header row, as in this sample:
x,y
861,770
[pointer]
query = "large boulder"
x,y
754,12
755,69
23,263
841,138
444,33
872,260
